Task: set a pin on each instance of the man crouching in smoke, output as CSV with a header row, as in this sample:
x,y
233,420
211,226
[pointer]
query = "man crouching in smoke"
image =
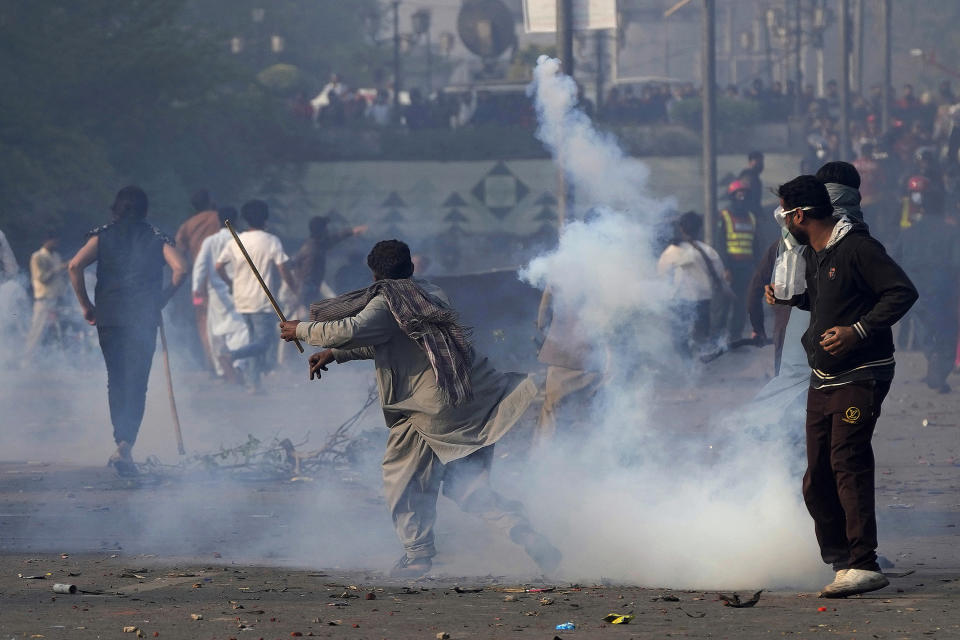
x,y
855,293
445,405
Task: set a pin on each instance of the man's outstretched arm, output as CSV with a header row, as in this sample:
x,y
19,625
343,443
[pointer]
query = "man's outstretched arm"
x,y
374,325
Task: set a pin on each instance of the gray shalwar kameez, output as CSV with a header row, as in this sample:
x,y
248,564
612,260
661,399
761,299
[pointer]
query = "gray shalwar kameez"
x,y
430,442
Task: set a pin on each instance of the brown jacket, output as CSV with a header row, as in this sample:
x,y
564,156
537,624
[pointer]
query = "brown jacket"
x,y
195,230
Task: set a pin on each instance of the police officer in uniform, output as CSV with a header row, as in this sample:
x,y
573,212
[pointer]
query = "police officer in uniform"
x,y
738,248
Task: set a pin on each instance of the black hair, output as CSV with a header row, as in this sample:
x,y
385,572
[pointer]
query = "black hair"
x,y
318,226
130,204
255,212
51,233
227,213
200,200
806,191
839,172
691,224
390,259
755,155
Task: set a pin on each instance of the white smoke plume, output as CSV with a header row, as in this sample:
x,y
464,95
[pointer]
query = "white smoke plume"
x,y
647,496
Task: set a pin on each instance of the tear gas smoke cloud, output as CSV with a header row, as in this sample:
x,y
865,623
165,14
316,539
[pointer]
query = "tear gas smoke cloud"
x,y
645,499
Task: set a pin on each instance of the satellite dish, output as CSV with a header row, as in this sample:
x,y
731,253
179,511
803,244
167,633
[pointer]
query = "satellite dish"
x,y
486,27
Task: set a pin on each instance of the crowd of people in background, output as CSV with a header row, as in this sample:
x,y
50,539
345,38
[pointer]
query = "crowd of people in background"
x,y
341,106
231,321
917,119
718,288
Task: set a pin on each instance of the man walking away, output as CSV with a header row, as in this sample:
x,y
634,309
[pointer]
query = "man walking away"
x,y
130,255
930,253
48,277
855,293
190,236
225,328
694,270
444,404
266,251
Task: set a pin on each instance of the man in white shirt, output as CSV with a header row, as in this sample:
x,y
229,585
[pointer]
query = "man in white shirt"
x,y
251,302
225,327
694,269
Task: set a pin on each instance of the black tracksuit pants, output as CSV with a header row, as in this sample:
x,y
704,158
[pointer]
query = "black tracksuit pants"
x,y
838,487
128,354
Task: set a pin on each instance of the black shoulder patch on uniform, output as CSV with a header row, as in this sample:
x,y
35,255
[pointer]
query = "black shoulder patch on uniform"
x,y
166,239
98,230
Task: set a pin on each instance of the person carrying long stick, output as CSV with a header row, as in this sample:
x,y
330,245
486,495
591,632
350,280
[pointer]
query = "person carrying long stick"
x,y
130,255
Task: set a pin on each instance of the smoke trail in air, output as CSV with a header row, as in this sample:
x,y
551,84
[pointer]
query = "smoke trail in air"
x,y
647,498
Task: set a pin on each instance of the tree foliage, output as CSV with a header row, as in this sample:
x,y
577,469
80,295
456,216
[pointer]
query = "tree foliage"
x,y
100,93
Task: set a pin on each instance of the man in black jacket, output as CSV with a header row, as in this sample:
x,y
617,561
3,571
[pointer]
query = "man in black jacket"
x,y
855,293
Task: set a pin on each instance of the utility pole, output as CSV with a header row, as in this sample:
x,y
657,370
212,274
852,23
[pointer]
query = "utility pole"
x,y
666,47
599,36
858,17
729,48
709,66
844,79
396,61
887,46
565,35
429,65
565,51
798,61
819,26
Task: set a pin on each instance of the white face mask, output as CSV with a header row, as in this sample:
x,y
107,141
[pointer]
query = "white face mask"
x,y
916,197
780,216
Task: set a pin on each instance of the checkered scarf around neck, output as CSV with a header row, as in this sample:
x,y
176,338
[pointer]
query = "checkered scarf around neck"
x,y
426,320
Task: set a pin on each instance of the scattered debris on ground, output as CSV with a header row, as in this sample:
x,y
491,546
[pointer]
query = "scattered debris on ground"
x,y
279,458
735,602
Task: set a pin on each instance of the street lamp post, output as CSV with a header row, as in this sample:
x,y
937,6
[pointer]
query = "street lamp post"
x,y
844,80
885,91
797,61
709,105
396,60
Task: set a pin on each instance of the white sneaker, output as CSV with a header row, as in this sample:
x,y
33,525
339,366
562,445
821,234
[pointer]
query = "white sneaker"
x,y
854,581
836,579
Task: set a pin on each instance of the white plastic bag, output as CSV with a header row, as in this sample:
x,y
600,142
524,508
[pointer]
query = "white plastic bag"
x,y
789,270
